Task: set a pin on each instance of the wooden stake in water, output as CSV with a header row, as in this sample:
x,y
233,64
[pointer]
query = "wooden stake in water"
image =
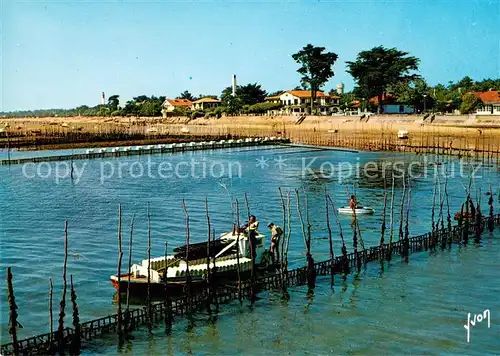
x,y
51,318
253,250
281,249
120,256
434,204
304,235
284,261
148,301
127,311
391,221
209,273
12,312
166,297
76,340
491,221
448,215
60,330
329,238
407,233
238,249
308,222
345,262
382,233
401,210
188,276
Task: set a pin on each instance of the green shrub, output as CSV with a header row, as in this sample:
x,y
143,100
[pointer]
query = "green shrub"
x,y
261,108
469,103
197,114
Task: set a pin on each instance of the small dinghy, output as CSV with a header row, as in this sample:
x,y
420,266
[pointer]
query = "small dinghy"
x,y
359,210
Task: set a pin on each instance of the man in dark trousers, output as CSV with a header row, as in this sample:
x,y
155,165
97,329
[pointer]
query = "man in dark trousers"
x,y
276,233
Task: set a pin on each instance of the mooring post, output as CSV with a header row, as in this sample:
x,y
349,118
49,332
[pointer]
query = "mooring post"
x,y
13,312
60,330
76,339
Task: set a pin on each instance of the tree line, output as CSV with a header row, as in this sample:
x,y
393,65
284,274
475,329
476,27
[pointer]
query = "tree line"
x,y
376,72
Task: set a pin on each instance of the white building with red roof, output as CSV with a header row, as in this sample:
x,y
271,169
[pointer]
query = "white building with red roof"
x,y
170,105
297,102
491,102
205,104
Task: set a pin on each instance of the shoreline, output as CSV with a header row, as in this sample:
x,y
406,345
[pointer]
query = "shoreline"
x,y
480,137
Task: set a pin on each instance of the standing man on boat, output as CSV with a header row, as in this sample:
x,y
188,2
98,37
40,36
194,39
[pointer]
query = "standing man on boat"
x,y
276,233
251,229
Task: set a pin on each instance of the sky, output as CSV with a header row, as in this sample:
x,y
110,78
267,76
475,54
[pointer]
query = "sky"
x,y
61,54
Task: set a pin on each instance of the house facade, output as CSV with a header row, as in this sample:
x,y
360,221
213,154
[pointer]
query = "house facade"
x,y
391,106
205,104
490,102
298,102
170,105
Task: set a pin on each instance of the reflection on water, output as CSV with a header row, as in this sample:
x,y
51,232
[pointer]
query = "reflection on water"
x,y
386,307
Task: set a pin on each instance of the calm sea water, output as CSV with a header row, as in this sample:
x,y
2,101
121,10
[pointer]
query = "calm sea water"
x,y
418,308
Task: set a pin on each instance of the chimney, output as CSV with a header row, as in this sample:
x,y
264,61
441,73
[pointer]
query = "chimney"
x,y
234,84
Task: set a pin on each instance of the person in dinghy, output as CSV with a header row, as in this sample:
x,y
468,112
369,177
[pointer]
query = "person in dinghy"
x,y
355,207
353,203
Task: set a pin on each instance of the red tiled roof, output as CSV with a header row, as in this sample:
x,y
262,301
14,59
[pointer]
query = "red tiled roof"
x,y
305,93
492,96
274,97
179,102
302,94
386,98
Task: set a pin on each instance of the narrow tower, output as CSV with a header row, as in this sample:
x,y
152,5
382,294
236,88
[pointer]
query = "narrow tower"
x,y
340,88
103,98
234,84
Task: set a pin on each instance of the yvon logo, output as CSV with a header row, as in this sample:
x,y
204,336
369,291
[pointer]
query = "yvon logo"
x,y
478,318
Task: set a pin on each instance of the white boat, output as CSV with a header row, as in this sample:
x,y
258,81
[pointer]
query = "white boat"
x,y
403,134
359,210
224,253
